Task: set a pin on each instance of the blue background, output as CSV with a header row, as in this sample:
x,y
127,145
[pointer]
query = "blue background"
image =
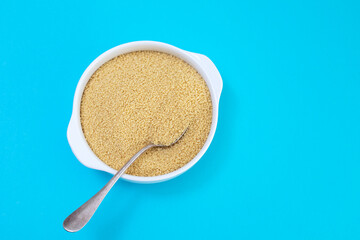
x,y
285,160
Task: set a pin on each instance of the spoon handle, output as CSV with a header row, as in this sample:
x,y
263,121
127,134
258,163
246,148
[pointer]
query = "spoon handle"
x,y
81,216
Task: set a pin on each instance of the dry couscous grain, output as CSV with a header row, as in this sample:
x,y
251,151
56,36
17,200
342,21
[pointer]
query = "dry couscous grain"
x,y
142,97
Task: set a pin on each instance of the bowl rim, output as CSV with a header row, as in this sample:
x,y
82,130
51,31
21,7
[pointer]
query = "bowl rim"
x,y
197,61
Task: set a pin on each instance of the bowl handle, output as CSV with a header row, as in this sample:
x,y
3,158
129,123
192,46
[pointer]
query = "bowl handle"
x,y
214,75
77,145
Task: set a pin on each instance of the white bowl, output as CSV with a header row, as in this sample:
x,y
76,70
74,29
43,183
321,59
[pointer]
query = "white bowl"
x,y
200,62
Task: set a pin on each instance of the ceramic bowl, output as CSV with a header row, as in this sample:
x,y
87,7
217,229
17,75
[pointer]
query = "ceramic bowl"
x,y
201,63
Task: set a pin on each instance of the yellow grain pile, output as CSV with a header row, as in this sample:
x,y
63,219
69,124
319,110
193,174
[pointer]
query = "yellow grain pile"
x,y
142,97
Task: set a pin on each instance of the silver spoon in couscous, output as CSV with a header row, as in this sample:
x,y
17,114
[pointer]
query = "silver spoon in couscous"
x,y
80,217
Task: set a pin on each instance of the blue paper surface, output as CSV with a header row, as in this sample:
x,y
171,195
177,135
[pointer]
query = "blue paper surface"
x,y
284,162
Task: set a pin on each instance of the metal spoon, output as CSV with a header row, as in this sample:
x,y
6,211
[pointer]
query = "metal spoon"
x,y
81,216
